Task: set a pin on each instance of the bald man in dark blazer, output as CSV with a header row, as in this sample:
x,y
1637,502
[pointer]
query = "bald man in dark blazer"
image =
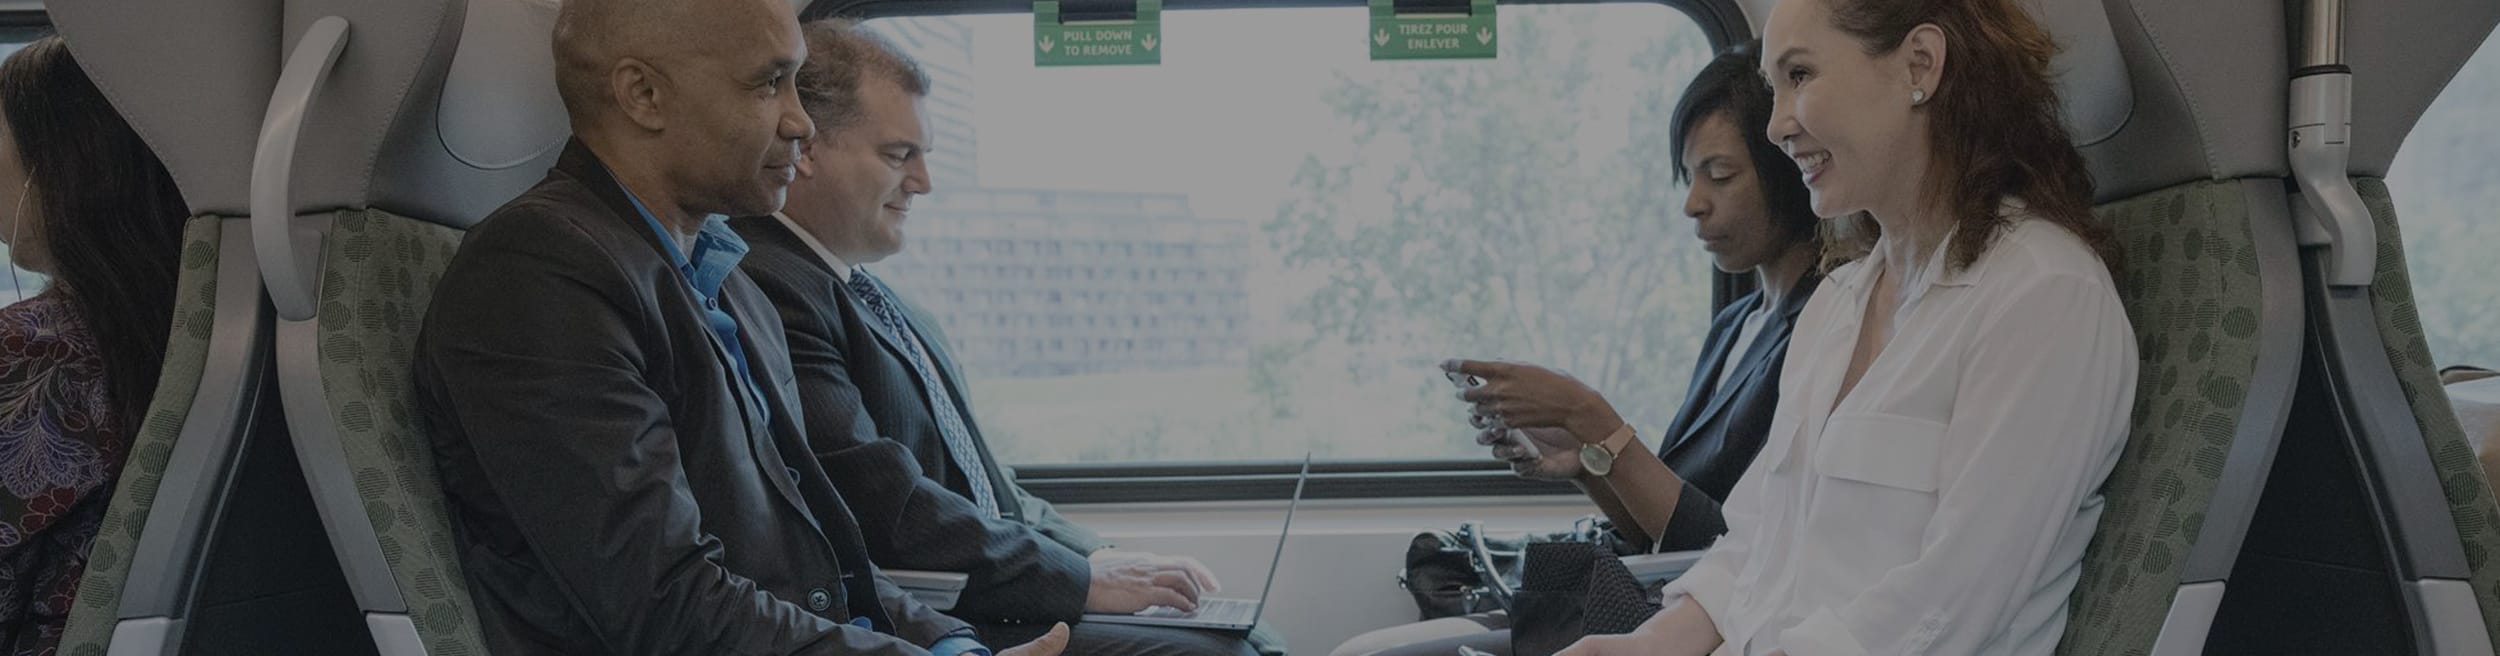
x,y
611,401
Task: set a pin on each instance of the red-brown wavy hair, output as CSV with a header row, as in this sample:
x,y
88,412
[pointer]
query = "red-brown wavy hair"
x,y
1996,131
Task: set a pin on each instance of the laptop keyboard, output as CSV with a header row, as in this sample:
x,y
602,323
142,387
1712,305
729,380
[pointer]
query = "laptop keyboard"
x,y
1219,611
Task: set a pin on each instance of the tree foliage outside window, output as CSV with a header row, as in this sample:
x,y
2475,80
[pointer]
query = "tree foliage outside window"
x,y
1521,208
2447,198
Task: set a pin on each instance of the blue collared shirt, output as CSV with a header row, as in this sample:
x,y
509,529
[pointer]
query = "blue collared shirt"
x,y
717,251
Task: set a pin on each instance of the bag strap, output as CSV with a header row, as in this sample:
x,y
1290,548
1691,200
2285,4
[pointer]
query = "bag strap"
x,y
1480,556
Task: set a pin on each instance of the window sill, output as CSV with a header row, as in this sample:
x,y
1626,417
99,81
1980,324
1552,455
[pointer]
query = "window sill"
x,y
1242,481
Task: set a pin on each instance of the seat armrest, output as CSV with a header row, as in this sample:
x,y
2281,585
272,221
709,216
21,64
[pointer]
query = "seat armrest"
x,y
1653,569
940,590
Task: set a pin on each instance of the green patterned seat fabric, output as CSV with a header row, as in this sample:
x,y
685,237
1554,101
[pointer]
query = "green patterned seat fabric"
x,y
98,606
2400,325
2190,283
379,270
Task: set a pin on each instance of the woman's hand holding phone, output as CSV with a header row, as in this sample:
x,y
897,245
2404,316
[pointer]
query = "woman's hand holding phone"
x,y
1549,453
1508,446
1514,395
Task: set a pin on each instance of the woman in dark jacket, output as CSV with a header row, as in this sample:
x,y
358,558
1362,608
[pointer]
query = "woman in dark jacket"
x,y
1749,208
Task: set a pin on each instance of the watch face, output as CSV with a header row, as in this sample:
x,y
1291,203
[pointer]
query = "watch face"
x,y
1596,459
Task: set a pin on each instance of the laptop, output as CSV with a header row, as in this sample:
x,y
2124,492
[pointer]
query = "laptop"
x,y
1222,613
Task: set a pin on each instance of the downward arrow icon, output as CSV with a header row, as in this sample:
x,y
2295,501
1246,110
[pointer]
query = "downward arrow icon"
x,y
1150,42
1380,37
1484,36
1046,44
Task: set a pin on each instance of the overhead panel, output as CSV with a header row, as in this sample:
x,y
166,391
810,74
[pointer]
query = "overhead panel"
x,y
1433,29
1097,32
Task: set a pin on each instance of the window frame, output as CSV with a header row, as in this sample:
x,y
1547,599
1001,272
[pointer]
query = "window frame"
x,y
1721,21
21,22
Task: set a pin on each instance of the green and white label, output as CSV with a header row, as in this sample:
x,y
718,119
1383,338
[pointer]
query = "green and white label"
x,y
1433,35
1137,41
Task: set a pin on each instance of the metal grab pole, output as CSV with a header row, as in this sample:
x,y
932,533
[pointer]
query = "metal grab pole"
x,y
2331,213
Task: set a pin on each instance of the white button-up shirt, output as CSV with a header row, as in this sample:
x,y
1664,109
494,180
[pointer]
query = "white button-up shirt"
x,y
1944,506
840,270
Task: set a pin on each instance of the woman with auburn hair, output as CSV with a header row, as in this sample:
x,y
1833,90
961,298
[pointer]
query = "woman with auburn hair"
x,y
1953,399
95,211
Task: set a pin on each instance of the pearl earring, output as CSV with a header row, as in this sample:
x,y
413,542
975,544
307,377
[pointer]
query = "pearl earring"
x,y
1918,96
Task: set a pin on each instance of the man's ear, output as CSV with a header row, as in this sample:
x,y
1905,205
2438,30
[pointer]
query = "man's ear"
x,y
637,87
806,161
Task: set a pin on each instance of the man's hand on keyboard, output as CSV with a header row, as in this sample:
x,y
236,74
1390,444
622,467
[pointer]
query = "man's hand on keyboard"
x,y
1131,581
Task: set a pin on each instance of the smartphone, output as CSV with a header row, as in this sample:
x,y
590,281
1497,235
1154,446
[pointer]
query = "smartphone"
x,y
1514,438
1463,381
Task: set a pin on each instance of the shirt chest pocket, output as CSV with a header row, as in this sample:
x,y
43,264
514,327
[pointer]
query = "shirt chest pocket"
x,y
1875,494
1883,450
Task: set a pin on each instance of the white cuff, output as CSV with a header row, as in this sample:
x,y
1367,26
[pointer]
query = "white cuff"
x,y
1822,634
1709,584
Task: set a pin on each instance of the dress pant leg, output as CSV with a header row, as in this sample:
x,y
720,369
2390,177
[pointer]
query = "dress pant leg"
x,y
1496,643
1386,641
1106,639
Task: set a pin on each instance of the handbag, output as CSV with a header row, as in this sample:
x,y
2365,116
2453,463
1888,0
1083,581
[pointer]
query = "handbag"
x,y
1572,590
1462,572
1467,571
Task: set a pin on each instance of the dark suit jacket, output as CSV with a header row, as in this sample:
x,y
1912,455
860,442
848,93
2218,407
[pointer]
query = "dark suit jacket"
x,y
613,490
873,430
1718,431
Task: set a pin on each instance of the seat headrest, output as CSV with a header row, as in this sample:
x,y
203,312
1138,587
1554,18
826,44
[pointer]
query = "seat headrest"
x,y
192,78
2091,74
2210,80
2402,54
438,110
499,107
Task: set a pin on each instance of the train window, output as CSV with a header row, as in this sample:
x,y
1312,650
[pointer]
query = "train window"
x,y
1315,230
2445,193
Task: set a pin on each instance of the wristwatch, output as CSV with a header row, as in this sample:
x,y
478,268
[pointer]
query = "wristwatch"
x,y
1599,458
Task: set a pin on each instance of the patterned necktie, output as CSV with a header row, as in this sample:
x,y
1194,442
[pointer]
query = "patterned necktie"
x,y
941,403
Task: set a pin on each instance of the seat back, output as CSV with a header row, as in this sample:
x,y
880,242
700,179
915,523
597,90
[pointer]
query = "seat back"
x,y
110,559
2209,276
436,112
165,573
2470,505
2402,55
2208,284
372,468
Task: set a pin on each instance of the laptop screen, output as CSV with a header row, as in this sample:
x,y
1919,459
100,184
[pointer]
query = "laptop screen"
x,y
1278,562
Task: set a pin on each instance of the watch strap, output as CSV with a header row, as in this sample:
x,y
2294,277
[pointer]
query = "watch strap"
x,y
1622,437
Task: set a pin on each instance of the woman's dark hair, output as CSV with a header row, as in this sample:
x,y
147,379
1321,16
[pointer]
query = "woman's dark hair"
x,y
1996,131
1732,86
110,216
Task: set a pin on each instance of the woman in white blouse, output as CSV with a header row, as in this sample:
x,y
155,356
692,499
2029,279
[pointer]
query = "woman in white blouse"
x,y
1953,399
